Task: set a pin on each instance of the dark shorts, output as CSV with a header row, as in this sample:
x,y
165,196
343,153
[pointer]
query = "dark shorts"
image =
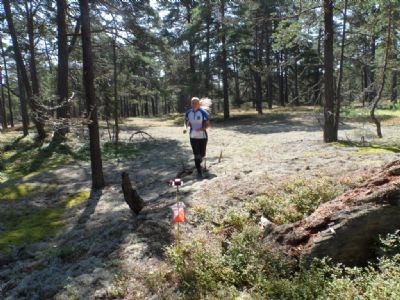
x,y
199,147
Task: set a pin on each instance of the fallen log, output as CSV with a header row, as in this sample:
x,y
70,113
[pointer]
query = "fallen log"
x,y
131,196
348,227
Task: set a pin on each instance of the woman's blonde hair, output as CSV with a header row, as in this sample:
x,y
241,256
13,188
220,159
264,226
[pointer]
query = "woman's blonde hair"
x,y
205,103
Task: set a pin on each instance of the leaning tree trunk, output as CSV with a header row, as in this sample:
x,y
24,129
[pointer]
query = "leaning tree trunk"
x,y
91,103
385,63
330,134
21,67
132,198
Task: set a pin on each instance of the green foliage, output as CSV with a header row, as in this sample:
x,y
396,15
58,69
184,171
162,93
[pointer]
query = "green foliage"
x,y
390,245
207,270
251,262
236,218
294,200
200,267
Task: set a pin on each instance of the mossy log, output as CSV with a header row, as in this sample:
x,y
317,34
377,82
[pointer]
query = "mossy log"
x,y
131,196
346,228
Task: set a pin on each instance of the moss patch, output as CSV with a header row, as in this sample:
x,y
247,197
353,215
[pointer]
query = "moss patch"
x,y
32,228
12,193
76,199
36,226
366,148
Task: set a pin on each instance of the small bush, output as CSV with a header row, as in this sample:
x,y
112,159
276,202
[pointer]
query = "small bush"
x,y
390,245
295,200
236,218
200,267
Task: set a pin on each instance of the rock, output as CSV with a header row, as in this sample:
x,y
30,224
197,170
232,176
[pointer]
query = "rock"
x,y
347,227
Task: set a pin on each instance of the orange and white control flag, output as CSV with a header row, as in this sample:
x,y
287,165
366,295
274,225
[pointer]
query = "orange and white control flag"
x,y
178,211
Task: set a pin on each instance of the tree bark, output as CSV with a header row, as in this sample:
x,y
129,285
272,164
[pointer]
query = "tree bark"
x,y
280,78
224,62
296,84
3,103
22,70
131,196
339,83
7,84
32,61
330,134
116,122
23,105
91,102
393,96
207,78
62,70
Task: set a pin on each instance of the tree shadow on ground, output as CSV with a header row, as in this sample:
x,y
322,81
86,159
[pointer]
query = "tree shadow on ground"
x,y
273,123
101,230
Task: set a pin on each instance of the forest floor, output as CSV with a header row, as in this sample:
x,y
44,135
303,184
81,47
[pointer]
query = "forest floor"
x,y
96,248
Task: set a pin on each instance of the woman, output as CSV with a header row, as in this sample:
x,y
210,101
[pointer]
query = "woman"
x,y
198,120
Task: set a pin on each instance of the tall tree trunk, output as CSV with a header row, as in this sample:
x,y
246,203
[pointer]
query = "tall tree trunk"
x,y
286,78
207,78
372,94
62,70
32,52
238,99
21,67
382,85
91,105
258,49
393,96
296,84
3,103
269,90
224,62
365,85
23,104
7,84
339,83
116,122
317,85
280,78
330,134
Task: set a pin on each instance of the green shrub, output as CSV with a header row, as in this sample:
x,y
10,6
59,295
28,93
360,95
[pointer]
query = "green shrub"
x,y
200,266
251,262
294,200
236,218
390,245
